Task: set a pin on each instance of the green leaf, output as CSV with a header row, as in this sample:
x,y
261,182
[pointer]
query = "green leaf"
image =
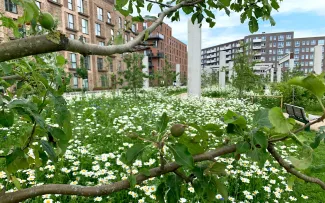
x,y
194,147
137,19
16,182
259,138
225,2
133,152
146,35
311,83
132,180
188,9
216,169
258,155
6,68
272,21
149,7
182,156
209,13
275,4
253,25
174,183
60,60
16,160
222,189
301,164
49,150
280,123
160,192
318,138
242,147
214,129
24,103
121,3
243,17
261,118
162,123
6,118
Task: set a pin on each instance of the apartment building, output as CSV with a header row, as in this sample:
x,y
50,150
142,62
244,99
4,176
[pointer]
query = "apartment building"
x,y
269,48
95,22
165,46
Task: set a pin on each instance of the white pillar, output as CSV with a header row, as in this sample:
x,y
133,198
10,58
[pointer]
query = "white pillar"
x,y
318,59
291,64
178,75
272,75
194,59
231,71
145,70
222,74
278,73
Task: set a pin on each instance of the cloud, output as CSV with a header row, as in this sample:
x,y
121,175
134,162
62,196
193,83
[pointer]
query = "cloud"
x,y
301,6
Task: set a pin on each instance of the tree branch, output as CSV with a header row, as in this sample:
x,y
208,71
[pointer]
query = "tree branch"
x,y
45,43
100,190
12,77
320,119
159,3
291,169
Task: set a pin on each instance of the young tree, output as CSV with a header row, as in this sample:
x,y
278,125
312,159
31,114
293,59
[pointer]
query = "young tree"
x,y
245,78
43,81
166,75
82,71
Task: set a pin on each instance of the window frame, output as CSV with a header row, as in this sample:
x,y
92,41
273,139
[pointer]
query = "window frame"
x,y
10,6
84,26
100,14
70,23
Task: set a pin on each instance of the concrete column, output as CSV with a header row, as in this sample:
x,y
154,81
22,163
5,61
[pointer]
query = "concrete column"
x,y
222,74
278,73
145,70
231,71
272,75
291,64
318,59
178,75
194,59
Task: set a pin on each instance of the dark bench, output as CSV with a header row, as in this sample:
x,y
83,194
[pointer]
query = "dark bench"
x,y
298,113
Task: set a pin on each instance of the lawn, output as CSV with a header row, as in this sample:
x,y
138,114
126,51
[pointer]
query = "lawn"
x,y
102,129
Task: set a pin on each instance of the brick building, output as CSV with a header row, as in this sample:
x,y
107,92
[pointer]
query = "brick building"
x,y
269,48
96,22
165,46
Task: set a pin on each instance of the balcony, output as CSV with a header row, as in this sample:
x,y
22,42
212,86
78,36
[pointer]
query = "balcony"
x,y
228,47
257,47
222,48
258,54
257,40
228,52
156,36
237,45
158,55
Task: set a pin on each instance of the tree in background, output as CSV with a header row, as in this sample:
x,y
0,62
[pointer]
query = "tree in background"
x,y
166,75
245,79
82,72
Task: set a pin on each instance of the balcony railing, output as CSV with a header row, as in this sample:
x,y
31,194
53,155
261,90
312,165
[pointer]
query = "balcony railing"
x,y
156,36
257,47
158,55
257,40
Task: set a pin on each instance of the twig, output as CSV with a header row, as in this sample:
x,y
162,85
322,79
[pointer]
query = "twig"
x,y
161,4
12,77
30,138
320,119
291,169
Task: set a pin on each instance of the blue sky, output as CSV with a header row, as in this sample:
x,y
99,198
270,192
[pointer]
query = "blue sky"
x,y
305,17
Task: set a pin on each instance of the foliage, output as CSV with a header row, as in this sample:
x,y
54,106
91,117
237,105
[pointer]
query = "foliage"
x,y
133,75
166,75
82,71
245,79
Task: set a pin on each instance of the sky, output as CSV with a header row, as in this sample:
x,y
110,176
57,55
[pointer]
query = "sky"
x,y
305,17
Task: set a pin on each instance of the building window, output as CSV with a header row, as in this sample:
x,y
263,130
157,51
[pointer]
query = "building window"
x,y
311,56
11,7
280,44
84,25
73,60
263,38
97,29
303,43
281,38
289,36
311,63
296,56
101,43
75,81
70,21
286,64
312,49
297,43
104,81
87,62
280,51
80,6
120,22
321,42
271,45
70,5
145,25
274,44
274,51
112,34
100,14
288,43
302,63
287,51
302,56
303,49
109,17
274,38
307,56
307,49
134,29
313,42
72,36
297,50
100,63
38,4
307,42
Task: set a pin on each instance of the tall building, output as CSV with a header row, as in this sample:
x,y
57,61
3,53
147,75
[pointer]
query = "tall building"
x,y
268,48
97,22
165,46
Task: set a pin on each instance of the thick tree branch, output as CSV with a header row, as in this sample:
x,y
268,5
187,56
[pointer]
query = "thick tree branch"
x,y
12,77
43,43
100,190
291,169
